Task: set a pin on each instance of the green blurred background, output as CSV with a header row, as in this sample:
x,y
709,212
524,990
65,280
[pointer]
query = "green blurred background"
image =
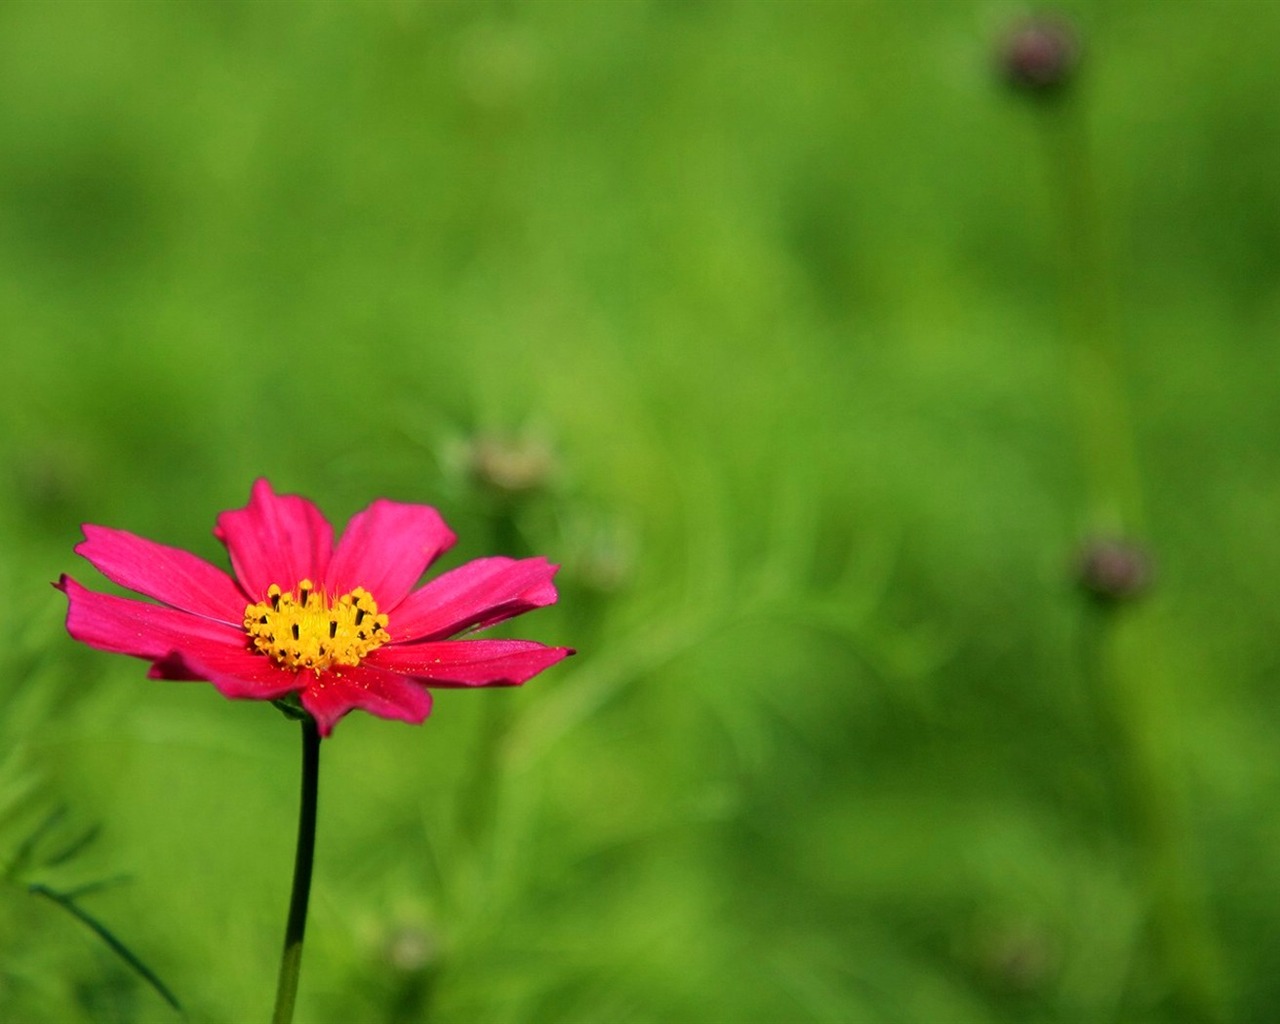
x,y
767,321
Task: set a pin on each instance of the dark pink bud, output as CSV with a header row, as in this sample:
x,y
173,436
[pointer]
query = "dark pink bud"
x,y
1112,570
1040,56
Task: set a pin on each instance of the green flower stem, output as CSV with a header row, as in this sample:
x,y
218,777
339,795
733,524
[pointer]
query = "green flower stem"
x,y
1103,421
1125,652
291,958
482,787
1125,668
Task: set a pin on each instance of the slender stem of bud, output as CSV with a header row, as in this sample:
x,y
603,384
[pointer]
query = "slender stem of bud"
x,y
1127,654
291,958
1104,422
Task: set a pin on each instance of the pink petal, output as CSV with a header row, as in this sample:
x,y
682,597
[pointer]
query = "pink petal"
x,y
237,673
474,595
124,626
276,538
176,577
469,662
385,694
385,549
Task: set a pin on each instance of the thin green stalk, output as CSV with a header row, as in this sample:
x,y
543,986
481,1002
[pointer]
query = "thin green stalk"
x,y
291,958
481,788
1104,422
67,902
480,792
1124,664
1126,653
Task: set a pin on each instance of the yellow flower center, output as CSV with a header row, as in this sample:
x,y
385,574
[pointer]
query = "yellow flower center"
x,y
303,629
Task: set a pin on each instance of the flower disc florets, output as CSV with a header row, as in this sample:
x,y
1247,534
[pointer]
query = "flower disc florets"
x,y
305,630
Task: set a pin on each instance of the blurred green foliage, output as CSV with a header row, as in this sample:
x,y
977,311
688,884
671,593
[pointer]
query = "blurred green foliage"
x,y
758,305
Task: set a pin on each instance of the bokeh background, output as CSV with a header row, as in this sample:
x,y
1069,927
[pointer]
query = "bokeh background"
x,y
814,351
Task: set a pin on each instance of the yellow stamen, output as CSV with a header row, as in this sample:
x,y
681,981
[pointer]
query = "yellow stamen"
x,y
303,629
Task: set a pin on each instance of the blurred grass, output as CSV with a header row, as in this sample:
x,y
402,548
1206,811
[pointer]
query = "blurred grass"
x,y
777,283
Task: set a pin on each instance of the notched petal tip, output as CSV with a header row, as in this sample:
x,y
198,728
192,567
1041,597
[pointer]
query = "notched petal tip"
x,y
473,596
166,574
468,663
386,548
123,625
276,538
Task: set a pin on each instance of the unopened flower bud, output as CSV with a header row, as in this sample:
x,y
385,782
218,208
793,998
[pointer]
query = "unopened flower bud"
x,y
411,949
1040,56
1113,570
511,466
1020,958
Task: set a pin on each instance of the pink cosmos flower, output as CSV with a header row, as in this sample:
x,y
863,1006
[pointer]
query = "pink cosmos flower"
x,y
340,627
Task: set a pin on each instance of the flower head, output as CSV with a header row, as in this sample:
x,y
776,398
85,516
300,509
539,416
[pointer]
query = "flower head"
x,y
339,627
